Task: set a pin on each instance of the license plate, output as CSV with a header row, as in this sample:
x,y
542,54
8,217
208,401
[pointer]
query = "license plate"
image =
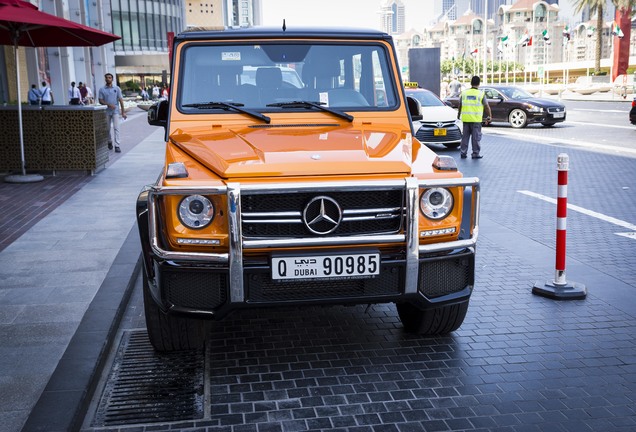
x,y
439,132
558,114
346,266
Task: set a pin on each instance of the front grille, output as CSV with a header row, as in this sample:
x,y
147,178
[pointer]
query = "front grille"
x,y
555,110
195,289
262,289
440,277
281,215
426,133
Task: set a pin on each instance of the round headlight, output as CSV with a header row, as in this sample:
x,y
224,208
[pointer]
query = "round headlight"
x,y
436,203
196,211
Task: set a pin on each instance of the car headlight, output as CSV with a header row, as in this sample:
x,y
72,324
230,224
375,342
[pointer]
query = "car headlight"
x,y
196,211
436,203
533,108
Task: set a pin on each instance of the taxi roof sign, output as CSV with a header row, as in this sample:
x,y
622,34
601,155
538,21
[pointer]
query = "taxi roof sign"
x,y
413,84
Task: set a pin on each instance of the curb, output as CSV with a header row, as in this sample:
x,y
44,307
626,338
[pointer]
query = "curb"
x,y
67,396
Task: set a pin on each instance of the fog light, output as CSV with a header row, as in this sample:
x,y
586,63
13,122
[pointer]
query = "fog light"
x,y
437,232
189,241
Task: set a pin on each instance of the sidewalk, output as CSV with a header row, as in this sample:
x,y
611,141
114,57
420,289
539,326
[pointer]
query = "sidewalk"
x,y
50,274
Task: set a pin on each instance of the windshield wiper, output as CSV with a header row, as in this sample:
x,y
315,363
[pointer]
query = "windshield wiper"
x,y
308,104
229,106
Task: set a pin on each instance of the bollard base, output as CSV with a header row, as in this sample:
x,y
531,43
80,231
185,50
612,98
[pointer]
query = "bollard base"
x,y
569,291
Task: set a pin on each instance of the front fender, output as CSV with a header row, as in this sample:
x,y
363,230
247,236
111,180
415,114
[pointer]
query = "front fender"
x,y
144,235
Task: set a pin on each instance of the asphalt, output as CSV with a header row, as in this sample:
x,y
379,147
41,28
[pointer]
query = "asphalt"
x,y
65,281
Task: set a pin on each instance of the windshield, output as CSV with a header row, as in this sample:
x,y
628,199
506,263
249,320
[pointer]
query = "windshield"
x,y
425,98
263,76
515,93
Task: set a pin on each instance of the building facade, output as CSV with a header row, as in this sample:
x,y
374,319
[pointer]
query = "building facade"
x,y
392,18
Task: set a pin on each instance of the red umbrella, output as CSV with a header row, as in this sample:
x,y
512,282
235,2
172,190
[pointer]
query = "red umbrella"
x,y
22,24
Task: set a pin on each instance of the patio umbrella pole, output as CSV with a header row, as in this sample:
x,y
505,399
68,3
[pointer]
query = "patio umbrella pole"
x,y
24,177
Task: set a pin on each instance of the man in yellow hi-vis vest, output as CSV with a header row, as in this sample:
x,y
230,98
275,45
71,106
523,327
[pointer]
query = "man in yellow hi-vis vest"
x,y
471,112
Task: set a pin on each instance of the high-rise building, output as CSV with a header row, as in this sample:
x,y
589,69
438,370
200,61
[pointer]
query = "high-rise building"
x,y
392,17
479,6
453,9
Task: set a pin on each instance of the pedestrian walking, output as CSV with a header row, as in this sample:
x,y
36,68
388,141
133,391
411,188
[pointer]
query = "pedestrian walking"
x,y
89,96
47,94
83,92
454,87
110,95
34,95
74,95
471,112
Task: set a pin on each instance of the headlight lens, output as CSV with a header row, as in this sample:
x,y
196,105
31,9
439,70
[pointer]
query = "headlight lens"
x,y
196,211
436,203
533,108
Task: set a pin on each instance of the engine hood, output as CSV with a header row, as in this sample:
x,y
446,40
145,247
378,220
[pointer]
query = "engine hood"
x,y
545,103
297,150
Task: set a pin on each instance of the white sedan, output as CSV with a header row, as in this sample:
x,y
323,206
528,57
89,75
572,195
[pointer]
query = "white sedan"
x,y
439,124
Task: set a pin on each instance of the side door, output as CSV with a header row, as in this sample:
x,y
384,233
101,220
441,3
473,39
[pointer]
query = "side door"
x,y
497,105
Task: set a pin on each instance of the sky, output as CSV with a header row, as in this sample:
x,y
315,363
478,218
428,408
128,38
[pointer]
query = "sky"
x,y
339,13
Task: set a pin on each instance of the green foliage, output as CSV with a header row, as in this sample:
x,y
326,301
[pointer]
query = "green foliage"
x,y
468,67
132,86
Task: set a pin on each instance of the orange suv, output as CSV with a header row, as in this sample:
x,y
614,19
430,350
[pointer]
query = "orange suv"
x,y
311,190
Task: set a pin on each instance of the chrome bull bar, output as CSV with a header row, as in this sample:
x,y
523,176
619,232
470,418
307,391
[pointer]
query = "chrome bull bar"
x,y
234,258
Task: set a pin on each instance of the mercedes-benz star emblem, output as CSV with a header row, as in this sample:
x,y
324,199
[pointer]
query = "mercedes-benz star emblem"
x,y
322,215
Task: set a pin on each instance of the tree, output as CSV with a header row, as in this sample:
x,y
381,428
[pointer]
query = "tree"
x,y
595,6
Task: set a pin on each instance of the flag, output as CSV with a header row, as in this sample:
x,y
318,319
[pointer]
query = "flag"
x,y
616,30
590,31
474,52
526,40
504,40
566,34
546,37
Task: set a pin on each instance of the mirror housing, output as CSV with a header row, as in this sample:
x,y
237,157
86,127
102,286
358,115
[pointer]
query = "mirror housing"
x,y
415,108
158,114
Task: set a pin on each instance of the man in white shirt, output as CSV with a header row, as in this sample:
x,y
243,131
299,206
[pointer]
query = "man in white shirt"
x,y
74,95
47,94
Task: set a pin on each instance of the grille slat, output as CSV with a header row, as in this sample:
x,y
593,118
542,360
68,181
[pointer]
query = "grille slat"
x,y
280,215
446,276
426,134
261,288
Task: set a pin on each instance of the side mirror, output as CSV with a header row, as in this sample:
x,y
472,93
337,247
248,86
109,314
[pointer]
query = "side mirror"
x,y
415,108
158,114
449,103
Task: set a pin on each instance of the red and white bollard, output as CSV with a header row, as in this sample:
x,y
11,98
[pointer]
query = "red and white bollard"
x,y
559,288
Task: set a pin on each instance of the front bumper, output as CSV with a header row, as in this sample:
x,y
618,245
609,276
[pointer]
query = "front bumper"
x,y
451,135
213,284
545,117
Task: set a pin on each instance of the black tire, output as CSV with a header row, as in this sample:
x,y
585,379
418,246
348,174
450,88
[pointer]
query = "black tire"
x,y
170,332
441,320
518,118
548,124
452,145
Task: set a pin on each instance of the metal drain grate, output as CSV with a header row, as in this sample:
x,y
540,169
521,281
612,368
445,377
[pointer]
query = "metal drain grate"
x,y
146,387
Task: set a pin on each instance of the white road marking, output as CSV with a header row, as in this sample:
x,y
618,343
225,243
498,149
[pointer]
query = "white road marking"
x,y
598,110
600,125
601,216
552,140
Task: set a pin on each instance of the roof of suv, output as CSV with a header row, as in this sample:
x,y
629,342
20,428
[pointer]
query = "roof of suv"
x,y
278,32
